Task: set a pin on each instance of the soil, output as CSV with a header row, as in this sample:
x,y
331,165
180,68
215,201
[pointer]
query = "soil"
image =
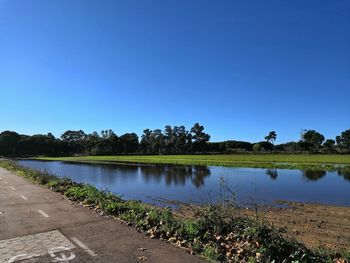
x,y
315,225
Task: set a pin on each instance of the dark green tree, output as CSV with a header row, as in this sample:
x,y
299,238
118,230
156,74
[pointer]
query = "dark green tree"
x,y
75,140
73,136
145,143
328,145
181,139
271,137
169,139
314,138
9,143
200,138
129,143
343,140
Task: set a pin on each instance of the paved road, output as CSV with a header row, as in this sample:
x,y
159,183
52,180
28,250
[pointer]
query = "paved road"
x,y
38,225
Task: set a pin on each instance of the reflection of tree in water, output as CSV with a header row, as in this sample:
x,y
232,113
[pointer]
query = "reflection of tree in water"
x,y
112,173
177,175
314,175
200,172
345,172
272,173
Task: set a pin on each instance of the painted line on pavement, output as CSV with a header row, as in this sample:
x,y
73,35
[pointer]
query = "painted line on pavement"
x,y
43,213
52,243
83,246
23,197
14,189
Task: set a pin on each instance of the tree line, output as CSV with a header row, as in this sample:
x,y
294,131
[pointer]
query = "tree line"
x,y
310,141
171,140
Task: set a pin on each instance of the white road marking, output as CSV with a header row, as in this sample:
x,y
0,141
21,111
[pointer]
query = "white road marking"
x,y
51,243
23,197
43,213
63,257
83,246
5,182
14,189
19,257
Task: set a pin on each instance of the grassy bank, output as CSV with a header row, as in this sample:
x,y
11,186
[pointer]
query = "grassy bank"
x,y
215,233
287,161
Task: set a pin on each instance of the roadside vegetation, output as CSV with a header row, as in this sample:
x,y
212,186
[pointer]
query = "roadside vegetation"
x,y
216,232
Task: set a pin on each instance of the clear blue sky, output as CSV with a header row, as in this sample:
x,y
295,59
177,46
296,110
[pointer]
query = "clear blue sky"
x,y
240,68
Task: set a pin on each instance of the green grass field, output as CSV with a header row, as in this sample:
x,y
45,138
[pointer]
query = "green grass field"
x,y
292,161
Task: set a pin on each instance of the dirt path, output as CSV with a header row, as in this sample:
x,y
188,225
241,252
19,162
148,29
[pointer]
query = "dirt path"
x,y
39,225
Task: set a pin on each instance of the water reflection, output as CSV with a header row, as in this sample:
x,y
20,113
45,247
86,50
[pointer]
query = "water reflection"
x,y
201,184
345,172
313,175
272,173
177,175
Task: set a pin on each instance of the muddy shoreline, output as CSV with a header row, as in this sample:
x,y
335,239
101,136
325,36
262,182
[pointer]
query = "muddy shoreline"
x,y
315,225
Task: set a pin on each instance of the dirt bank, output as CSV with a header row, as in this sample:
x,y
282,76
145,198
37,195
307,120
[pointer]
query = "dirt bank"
x,y
315,225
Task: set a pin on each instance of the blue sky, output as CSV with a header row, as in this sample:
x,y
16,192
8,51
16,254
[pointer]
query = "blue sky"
x,y
240,68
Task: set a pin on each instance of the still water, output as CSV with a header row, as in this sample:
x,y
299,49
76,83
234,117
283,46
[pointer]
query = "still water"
x,y
206,184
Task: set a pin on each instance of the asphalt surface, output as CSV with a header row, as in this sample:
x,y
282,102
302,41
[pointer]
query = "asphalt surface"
x,y
38,225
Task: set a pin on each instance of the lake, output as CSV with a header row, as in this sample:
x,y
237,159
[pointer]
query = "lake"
x,y
205,184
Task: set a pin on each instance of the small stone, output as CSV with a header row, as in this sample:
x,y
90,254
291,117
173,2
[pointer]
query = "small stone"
x,y
142,258
172,239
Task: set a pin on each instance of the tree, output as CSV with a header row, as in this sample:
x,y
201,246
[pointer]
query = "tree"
x,y
145,143
105,144
256,147
75,140
129,143
237,146
200,138
91,142
313,138
271,137
73,136
343,140
158,140
169,139
266,146
181,139
9,142
328,145
50,135
114,143
288,147
263,146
